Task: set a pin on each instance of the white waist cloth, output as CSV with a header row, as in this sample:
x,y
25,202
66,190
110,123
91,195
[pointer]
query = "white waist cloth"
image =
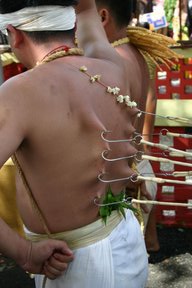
x,y
117,261
83,236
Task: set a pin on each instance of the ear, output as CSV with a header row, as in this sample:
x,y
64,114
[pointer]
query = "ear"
x,y
104,14
15,36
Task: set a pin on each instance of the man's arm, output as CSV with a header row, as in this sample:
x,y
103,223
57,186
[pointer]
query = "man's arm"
x,y
151,103
49,257
91,35
41,257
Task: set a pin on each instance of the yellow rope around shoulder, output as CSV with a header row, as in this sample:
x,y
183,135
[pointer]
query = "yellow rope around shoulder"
x,y
121,42
153,46
60,54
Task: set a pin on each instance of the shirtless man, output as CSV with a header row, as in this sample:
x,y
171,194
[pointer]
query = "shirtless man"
x,y
57,118
115,18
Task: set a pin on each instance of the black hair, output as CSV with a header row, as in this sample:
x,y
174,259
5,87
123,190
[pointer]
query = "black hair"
x,y
47,36
122,10
9,6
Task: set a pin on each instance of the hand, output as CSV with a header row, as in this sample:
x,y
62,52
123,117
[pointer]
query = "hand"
x,y
48,257
56,265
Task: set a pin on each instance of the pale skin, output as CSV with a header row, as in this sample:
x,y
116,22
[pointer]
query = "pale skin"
x,y
139,79
49,257
53,117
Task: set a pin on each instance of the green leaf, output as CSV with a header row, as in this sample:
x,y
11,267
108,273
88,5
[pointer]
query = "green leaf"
x,y
110,201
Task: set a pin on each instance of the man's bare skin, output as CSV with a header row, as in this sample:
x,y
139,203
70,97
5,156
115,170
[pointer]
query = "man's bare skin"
x,y
53,117
56,129
48,257
138,77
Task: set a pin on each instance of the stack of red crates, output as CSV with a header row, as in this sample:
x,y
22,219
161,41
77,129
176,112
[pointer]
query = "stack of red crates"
x,y
177,82
174,84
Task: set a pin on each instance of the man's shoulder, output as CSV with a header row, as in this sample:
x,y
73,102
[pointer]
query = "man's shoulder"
x,y
14,89
12,83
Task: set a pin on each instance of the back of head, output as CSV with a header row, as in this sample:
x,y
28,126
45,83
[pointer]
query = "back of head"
x,y
9,6
120,10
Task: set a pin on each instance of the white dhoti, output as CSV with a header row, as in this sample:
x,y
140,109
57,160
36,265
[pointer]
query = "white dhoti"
x,y
144,167
117,261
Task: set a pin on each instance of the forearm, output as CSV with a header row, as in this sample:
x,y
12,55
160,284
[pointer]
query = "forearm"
x,y
12,245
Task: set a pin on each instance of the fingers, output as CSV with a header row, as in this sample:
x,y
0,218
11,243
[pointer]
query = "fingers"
x,y
56,265
62,257
61,247
51,272
54,268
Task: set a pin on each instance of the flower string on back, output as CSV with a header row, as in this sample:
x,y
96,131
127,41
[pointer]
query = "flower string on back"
x,y
126,99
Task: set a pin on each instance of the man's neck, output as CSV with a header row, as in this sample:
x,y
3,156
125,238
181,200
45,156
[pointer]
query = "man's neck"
x,y
117,34
40,51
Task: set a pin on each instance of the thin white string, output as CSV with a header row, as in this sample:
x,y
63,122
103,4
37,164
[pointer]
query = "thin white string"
x,y
153,202
160,180
137,201
165,147
165,160
172,118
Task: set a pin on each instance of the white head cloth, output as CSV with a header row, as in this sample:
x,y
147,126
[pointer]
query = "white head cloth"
x,y
41,18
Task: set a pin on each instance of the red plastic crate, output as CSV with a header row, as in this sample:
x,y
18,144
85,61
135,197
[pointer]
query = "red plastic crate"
x,y
175,86
174,216
177,82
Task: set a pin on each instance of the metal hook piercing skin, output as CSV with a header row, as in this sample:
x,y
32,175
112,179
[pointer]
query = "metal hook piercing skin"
x,y
120,140
113,180
136,156
125,200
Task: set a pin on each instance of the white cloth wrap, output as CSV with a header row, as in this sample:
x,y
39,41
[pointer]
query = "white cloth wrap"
x,y
41,18
119,260
144,167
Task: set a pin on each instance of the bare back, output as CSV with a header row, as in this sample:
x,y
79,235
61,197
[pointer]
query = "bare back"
x,y
63,116
54,116
137,77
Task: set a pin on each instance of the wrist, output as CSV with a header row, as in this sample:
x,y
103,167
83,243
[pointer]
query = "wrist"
x,y
23,253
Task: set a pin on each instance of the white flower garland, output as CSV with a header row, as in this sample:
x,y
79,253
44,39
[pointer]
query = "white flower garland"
x,y
126,99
